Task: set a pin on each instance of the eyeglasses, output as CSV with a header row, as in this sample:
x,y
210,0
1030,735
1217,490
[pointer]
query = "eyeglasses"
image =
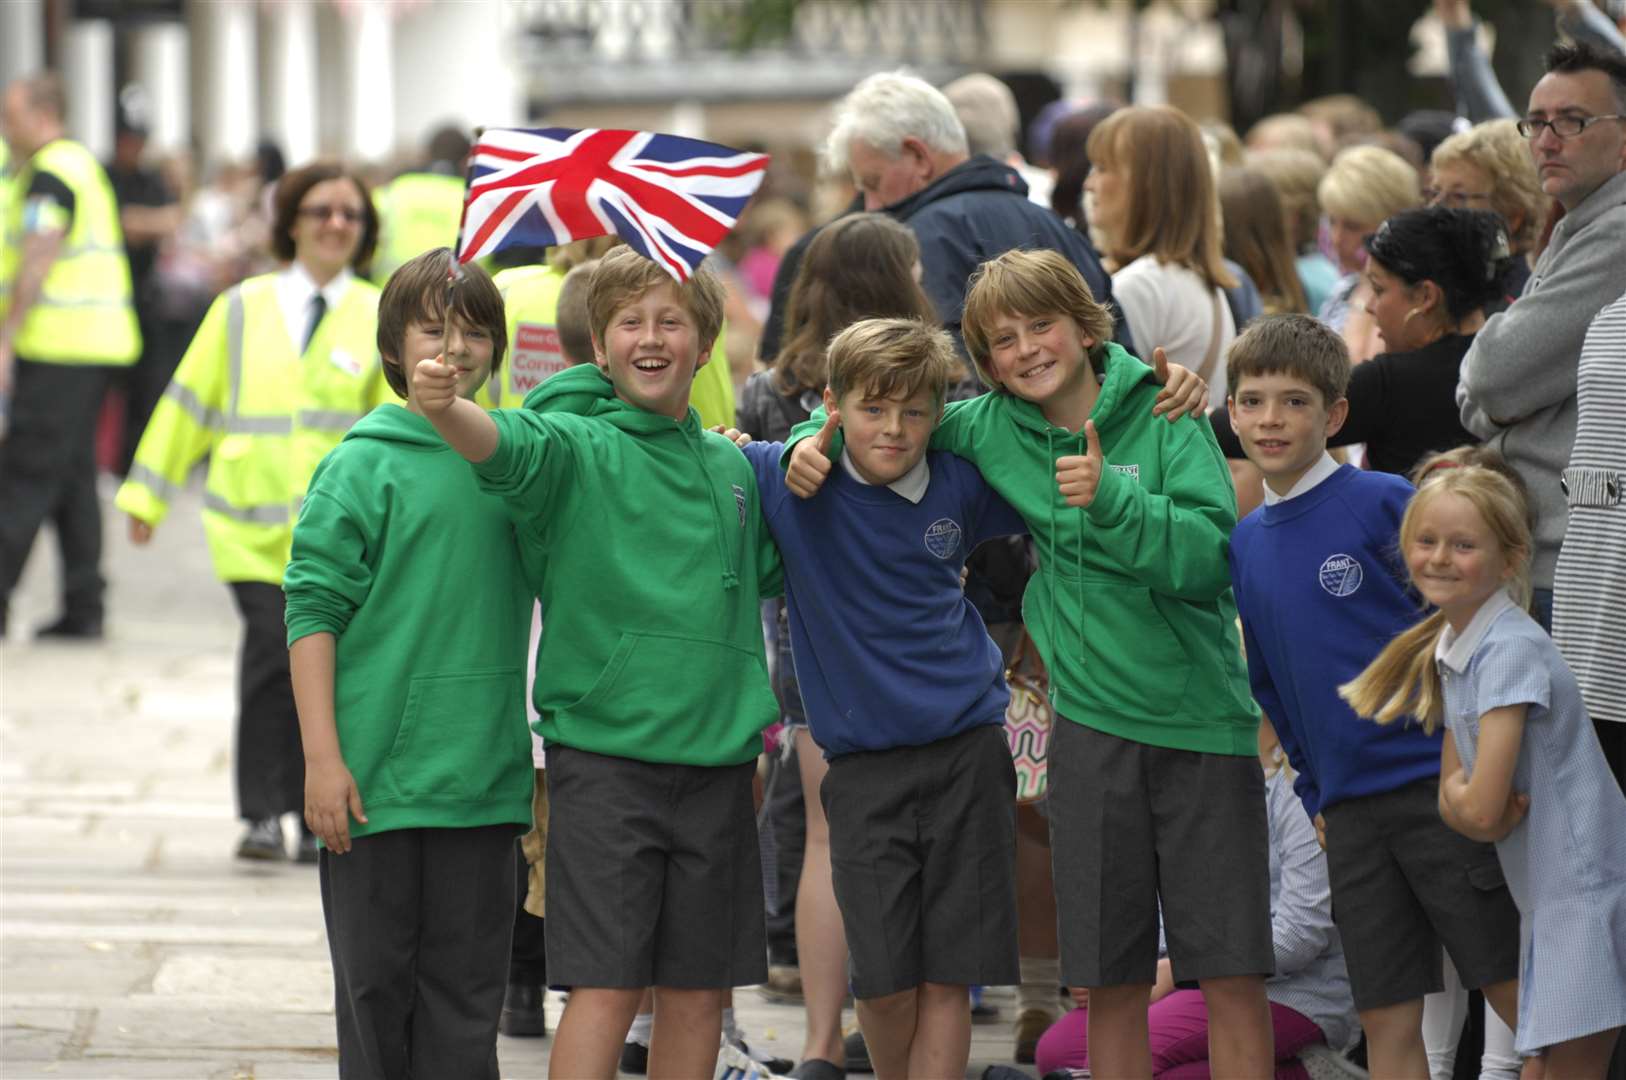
x,y
1565,127
1457,200
321,212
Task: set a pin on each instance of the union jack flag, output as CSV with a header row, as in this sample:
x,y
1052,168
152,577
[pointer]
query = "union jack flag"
x,y
670,197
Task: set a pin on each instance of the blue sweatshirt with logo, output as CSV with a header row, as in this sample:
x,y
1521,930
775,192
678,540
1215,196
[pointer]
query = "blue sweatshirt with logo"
x,y
1321,589
889,652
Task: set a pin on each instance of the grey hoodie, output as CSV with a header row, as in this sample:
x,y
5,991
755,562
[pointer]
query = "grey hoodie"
x,y
1519,377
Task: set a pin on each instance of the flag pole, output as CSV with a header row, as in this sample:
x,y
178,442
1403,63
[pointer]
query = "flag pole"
x,y
462,218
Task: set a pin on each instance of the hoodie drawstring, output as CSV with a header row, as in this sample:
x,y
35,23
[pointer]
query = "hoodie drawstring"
x,y
1078,551
731,576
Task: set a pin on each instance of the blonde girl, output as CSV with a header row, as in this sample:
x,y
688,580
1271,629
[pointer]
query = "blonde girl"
x,y
1521,765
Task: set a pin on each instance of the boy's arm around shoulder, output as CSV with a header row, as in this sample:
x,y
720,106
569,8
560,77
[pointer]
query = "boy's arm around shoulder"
x,y
988,514
1173,541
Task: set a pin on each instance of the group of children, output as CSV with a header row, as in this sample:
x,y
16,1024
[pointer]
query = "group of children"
x,y
649,542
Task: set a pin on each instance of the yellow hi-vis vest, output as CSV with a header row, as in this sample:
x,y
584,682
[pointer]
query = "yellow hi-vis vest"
x,y
6,239
264,414
85,313
417,212
531,299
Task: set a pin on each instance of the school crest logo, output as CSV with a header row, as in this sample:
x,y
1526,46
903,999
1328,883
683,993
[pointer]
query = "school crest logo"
x,y
943,537
1131,471
739,502
1341,575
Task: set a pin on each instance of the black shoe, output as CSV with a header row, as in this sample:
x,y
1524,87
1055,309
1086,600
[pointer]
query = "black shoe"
x,y
262,841
308,851
634,1058
522,1015
857,1054
74,627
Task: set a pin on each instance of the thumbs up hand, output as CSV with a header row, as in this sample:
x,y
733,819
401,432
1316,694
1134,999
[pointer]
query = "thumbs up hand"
x,y
1184,391
1080,476
810,461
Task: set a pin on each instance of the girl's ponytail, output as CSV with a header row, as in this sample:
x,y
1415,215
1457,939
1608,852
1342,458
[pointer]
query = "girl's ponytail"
x,y
1403,681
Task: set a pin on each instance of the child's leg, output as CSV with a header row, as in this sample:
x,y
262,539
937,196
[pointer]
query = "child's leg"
x,y
1585,1058
889,1023
1394,1040
587,1042
821,943
688,1026
370,902
942,1043
1119,1037
1239,1034
463,949
1499,1061
1443,1016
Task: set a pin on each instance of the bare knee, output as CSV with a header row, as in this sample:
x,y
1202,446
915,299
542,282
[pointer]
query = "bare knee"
x,y
890,1005
1233,992
687,1004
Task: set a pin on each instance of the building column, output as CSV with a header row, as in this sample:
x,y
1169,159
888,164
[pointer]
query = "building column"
x,y
87,78
158,56
288,110
22,39
224,78
369,65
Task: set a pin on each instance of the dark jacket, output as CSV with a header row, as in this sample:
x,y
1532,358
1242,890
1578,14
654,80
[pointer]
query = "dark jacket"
x,y
973,212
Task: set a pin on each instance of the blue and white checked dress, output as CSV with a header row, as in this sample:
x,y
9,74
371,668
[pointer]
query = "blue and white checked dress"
x,y
1566,862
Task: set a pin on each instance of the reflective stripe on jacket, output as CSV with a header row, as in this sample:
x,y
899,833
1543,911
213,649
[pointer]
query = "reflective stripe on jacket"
x,y
264,414
85,312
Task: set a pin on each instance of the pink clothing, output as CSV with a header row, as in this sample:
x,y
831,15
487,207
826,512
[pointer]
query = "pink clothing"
x,y
1179,1035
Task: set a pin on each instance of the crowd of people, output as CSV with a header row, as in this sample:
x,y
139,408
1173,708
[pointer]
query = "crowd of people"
x,y
1289,464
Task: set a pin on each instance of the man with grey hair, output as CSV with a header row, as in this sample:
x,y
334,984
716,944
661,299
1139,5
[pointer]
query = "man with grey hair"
x,y
906,150
988,110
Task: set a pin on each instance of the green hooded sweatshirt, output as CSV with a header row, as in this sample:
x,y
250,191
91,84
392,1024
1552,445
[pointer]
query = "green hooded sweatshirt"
x,y
652,556
399,555
1131,607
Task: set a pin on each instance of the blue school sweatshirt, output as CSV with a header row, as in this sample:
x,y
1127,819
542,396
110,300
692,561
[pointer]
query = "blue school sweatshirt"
x,y
889,652
1321,589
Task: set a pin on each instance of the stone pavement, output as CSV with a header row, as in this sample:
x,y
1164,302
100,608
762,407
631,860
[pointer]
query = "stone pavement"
x,y
131,944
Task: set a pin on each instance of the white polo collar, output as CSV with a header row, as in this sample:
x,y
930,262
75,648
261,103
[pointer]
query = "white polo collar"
x,y
911,485
1454,650
1318,472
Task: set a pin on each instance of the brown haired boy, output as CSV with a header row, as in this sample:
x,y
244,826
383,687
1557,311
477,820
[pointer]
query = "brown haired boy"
x,y
656,687
418,781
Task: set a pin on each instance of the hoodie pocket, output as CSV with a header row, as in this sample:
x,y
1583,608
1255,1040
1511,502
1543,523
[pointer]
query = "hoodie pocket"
x,y
461,734
652,680
1134,664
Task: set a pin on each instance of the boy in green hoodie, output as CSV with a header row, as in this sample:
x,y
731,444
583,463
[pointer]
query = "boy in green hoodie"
x,y
415,784
1155,790
653,688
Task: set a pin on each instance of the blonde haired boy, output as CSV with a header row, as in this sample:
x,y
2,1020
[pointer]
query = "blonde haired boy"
x,y
656,688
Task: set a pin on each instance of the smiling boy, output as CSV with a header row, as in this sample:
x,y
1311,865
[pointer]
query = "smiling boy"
x,y
411,710
904,693
1320,590
652,685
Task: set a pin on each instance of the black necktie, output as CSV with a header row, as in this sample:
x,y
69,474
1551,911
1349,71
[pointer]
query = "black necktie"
x,y
318,309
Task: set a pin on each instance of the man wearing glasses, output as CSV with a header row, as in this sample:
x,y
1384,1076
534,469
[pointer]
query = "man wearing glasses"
x,y
1518,381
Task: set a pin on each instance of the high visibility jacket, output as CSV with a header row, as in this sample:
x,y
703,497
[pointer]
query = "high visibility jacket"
x,y
85,312
531,300
6,239
264,414
417,212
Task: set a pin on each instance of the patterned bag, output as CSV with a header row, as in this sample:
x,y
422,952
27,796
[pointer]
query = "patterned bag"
x,y
1027,720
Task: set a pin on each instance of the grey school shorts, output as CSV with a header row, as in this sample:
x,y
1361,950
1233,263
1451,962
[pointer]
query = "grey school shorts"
x,y
653,874
1403,884
1133,824
923,856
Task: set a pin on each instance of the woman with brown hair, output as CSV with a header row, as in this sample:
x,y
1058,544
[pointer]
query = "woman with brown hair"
x,y
1151,198
1256,237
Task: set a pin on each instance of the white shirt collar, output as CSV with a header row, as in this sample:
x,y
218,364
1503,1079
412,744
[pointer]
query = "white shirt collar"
x,y
295,290
911,485
1318,472
1454,650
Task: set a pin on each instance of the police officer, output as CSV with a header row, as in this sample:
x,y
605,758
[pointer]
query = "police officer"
x,y
68,321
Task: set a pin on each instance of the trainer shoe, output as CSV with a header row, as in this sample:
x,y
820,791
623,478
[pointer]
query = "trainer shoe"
x,y
634,1058
262,841
1030,1024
